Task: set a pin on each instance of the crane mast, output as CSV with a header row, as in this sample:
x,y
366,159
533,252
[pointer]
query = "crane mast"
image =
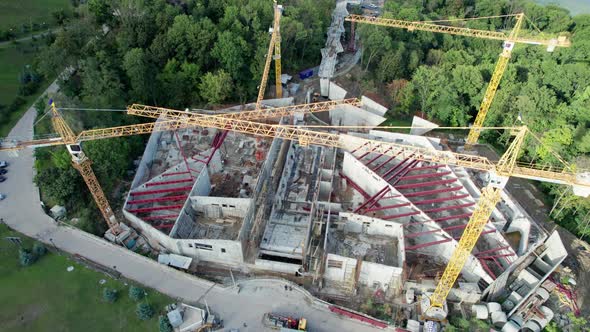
x,y
84,166
509,41
274,45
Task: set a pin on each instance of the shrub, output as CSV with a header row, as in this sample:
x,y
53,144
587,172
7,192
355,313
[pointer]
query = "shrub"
x,y
136,293
110,295
39,249
144,311
164,324
26,258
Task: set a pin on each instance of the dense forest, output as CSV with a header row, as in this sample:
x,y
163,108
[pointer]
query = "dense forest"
x,y
198,53
445,77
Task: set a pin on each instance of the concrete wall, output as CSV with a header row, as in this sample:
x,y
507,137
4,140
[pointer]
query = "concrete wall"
x,y
227,206
212,250
337,273
373,106
276,266
373,274
347,115
336,92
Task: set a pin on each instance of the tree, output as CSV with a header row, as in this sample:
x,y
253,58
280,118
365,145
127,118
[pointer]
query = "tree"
x,y
164,324
136,293
138,72
376,42
217,87
230,50
110,295
25,257
144,311
100,10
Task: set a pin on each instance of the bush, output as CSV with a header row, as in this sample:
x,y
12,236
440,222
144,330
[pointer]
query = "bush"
x,y
26,258
16,104
164,324
136,293
144,311
39,249
110,295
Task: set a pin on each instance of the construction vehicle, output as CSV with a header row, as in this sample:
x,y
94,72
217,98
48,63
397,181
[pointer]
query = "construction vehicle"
x,y
509,40
434,306
284,323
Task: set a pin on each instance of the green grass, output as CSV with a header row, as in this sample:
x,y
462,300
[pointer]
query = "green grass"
x,y
12,60
397,122
45,297
14,13
574,6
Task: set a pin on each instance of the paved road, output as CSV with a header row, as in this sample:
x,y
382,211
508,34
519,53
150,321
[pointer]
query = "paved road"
x,y
22,211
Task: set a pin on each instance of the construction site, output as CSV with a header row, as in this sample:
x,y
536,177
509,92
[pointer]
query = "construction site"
x,y
351,211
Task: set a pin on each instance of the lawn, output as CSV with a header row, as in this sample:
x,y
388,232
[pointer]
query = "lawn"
x,y
14,13
45,297
12,61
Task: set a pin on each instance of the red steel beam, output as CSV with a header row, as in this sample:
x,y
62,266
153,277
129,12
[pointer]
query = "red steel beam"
x,y
175,173
459,216
392,196
498,264
355,150
164,226
378,156
433,192
492,250
355,186
366,153
450,228
181,151
488,270
165,216
387,207
378,167
413,213
162,183
496,256
394,168
380,193
159,199
156,208
441,199
376,201
425,184
428,244
424,176
452,207
160,191
427,167
395,177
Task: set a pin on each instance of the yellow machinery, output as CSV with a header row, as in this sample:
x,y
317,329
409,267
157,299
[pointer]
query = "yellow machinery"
x,y
500,172
509,40
83,164
274,45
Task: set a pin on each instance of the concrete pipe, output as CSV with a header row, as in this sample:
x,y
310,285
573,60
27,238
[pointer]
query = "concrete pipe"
x,y
532,326
480,311
508,305
493,307
510,327
499,319
542,293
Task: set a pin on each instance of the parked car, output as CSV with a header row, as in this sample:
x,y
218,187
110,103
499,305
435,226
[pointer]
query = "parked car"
x,y
2,197
3,164
3,171
2,178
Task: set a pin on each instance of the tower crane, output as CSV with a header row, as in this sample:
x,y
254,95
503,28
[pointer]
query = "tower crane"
x,y
509,39
274,45
83,164
500,173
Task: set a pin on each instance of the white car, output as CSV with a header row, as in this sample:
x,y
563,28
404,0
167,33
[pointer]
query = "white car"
x,y
2,197
3,164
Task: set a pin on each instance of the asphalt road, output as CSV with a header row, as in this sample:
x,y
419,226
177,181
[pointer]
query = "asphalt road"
x,y
22,211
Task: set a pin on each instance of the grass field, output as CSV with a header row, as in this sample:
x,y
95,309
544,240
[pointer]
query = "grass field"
x,y
13,13
12,60
574,6
45,297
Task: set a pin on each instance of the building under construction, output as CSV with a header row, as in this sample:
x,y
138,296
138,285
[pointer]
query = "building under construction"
x,y
347,222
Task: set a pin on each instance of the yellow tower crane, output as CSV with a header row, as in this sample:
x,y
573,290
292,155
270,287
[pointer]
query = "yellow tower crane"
x,y
509,39
273,46
83,164
500,173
